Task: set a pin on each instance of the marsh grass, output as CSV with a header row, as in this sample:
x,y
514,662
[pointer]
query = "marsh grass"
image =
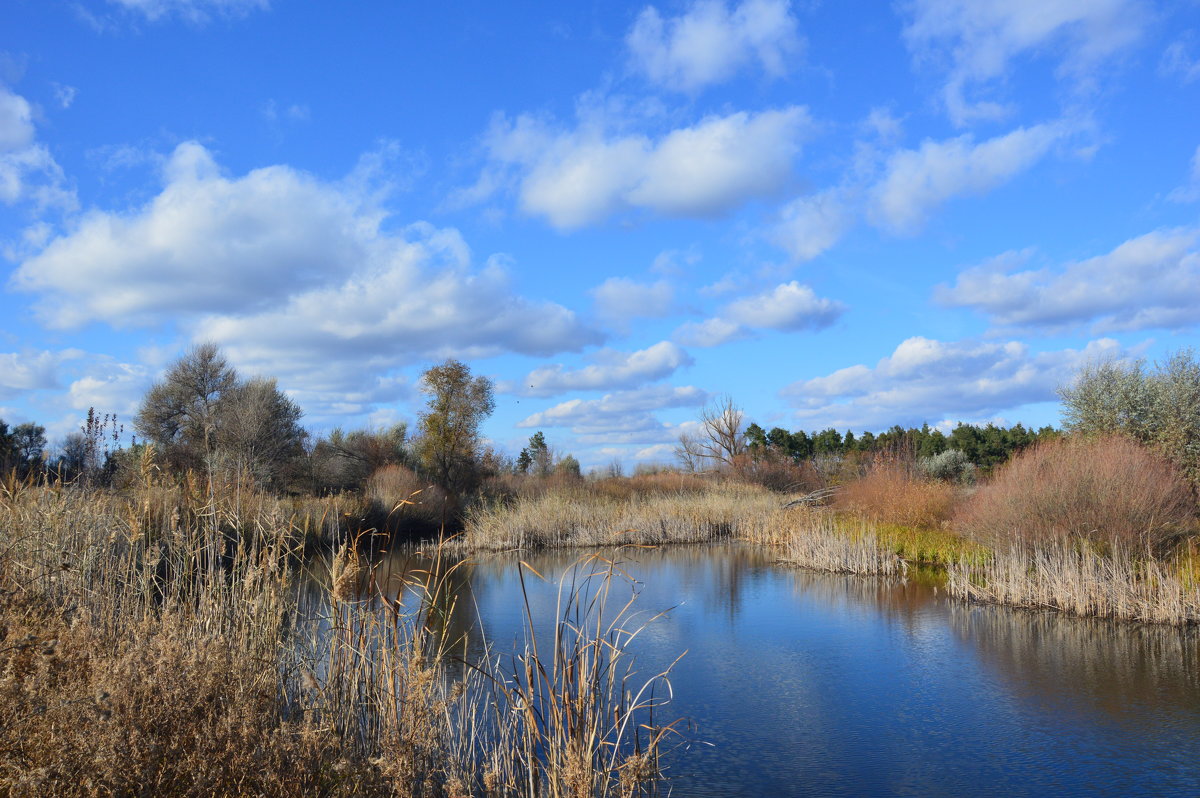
x,y
599,518
1076,577
159,643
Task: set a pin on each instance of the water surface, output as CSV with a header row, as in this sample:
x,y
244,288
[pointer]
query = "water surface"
x,y
796,683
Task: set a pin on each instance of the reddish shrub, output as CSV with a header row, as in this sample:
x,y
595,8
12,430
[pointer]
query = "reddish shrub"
x,y
1110,490
890,493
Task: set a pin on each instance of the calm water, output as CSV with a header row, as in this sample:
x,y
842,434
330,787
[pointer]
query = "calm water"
x,y
806,684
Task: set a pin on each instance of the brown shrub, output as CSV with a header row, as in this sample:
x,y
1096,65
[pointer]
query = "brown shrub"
x,y
1109,490
780,474
890,493
404,496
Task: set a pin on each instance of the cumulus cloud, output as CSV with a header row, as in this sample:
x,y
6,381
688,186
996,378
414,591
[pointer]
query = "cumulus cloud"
x,y
29,370
620,300
109,386
915,182
62,385
623,417
582,176
294,276
925,380
28,172
789,307
206,243
710,332
711,42
1152,281
191,10
615,370
979,40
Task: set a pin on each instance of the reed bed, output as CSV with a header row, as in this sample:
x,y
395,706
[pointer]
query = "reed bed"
x,y
1074,577
588,518
165,645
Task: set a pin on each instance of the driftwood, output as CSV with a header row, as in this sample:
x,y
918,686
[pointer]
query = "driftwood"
x,y
811,499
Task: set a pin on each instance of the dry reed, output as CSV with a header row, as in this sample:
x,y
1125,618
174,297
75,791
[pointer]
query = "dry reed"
x,y
158,643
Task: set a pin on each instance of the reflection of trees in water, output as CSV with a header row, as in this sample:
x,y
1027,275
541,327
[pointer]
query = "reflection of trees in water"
x,y
1121,668
439,590
906,602
717,573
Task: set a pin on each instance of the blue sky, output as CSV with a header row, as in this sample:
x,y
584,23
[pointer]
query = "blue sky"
x,y
849,214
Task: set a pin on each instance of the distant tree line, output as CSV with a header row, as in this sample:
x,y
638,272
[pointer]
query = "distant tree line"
x,y
986,446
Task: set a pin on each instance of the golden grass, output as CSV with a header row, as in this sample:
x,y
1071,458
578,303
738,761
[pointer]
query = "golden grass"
x,y
1096,582
1074,577
591,518
156,644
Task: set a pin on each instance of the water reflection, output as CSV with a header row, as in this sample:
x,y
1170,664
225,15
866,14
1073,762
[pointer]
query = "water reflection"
x,y
803,683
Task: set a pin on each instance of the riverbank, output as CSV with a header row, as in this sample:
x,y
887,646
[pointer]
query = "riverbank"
x,y
150,639
1073,576
162,642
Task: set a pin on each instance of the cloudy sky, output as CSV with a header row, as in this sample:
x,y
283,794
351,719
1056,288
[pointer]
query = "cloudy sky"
x,y
849,214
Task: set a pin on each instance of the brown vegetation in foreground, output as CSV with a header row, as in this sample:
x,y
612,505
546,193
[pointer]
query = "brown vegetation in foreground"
x,y
161,642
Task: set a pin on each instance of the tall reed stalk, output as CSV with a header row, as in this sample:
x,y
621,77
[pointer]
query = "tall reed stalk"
x,y
163,643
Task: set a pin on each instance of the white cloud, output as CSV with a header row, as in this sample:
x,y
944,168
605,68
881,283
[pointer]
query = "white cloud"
x,y
28,172
1152,281
414,305
709,333
294,276
275,112
582,176
1178,60
924,380
191,10
64,95
21,372
624,417
620,299
16,121
710,42
979,39
1189,191
811,225
615,370
918,181
206,243
789,307
110,386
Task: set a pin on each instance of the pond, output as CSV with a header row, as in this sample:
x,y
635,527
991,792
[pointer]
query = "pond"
x,y
797,683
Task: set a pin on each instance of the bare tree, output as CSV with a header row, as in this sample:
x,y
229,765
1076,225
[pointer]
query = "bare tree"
x,y
259,429
722,437
687,451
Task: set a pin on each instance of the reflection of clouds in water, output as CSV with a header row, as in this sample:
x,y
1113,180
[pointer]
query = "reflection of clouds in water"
x,y
859,685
